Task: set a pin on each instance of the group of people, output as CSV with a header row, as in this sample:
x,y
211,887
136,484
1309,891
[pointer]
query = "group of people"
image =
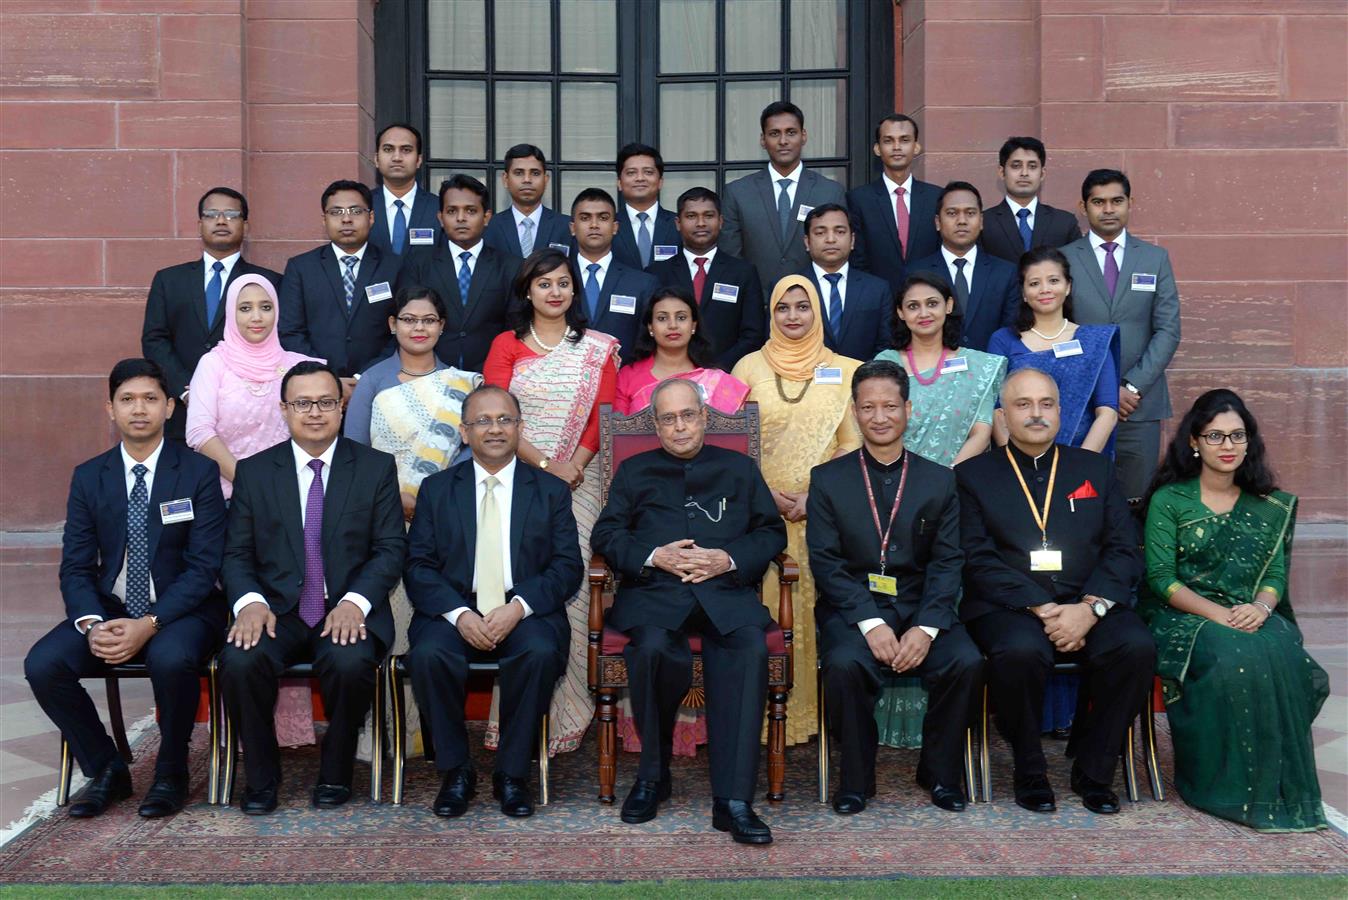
x,y
955,420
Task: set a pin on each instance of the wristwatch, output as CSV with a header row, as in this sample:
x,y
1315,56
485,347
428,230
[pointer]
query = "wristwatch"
x,y
1099,607
543,464
154,620
1129,386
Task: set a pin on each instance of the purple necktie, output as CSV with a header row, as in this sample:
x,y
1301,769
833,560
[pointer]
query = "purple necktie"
x,y
311,592
1111,268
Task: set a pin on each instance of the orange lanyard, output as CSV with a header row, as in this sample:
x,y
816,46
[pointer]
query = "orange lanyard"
x,y
1040,520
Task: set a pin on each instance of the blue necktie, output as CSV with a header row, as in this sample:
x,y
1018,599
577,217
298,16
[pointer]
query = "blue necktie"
x,y
592,291
138,546
784,209
1024,216
399,228
835,303
961,287
349,280
644,239
213,291
465,277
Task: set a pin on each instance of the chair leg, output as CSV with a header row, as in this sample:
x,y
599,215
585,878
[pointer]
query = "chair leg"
x,y
230,752
984,752
396,698
543,761
114,687
377,735
213,717
823,742
1130,766
1149,753
777,746
606,711
63,782
970,780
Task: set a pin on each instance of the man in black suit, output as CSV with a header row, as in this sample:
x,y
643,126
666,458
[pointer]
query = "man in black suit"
x,y
141,551
1051,562
335,298
482,591
726,288
1023,222
857,307
896,211
472,278
987,289
690,529
614,295
185,311
892,609
315,544
404,215
527,225
646,231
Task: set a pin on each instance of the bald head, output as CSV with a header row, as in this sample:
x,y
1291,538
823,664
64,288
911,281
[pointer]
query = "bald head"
x,y
1037,380
1030,404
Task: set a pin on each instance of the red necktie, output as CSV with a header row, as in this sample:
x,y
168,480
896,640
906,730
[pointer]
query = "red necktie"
x,y
700,279
901,217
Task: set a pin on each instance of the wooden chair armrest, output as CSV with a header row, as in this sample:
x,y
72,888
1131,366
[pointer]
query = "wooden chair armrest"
x,y
787,569
788,573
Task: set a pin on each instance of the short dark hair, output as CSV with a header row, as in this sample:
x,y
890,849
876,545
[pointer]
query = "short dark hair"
x,y
223,192
135,367
595,195
524,151
345,184
897,117
901,336
1033,144
694,194
1098,177
880,368
824,209
520,310
462,182
309,367
699,347
1024,314
778,108
953,186
488,389
379,138
635,149
412,292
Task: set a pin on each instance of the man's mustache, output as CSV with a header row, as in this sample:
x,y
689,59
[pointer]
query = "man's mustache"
x,y
1037,420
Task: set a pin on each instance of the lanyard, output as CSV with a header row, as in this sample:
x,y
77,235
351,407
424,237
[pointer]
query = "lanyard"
x,y
875,512
1040,520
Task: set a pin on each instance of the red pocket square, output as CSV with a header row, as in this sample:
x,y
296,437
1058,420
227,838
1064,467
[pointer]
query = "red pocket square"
x,y
1085,492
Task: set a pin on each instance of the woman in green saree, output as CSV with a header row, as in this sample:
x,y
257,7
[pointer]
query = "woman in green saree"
x,y
1241,692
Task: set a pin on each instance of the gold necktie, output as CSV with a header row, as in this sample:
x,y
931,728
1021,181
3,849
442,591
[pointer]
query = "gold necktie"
x,y
487,562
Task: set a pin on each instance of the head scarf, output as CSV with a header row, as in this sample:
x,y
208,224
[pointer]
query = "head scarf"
x,y
262,362
795,359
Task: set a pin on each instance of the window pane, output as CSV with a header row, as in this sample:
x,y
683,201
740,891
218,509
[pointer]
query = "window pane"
x,y
824,102
687,36
523,116
589,35
523,33
818,34
688,122
457,34
439,175
571,182
589,120
677,182
744,102
736,175
837,173
751,35
458,123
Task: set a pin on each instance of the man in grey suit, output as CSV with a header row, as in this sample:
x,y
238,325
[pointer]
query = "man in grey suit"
x,y
764,211
1121,280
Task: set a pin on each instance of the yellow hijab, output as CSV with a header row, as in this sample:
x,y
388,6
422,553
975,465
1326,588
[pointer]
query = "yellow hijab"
x,y
795,359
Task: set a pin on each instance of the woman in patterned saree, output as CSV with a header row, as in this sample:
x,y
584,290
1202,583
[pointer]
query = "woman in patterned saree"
x,y
1240,690
561,372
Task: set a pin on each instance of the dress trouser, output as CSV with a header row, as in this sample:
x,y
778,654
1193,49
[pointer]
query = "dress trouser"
x,y
1137,444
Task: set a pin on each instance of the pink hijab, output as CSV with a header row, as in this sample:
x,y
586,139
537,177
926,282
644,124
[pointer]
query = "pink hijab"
x,y
258,363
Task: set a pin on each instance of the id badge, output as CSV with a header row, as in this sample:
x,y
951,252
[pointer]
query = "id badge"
x,y
883,584
1067,348
176,511
377,293
726,293
826,375
1045,560
1142,282
803,212
421,237
663,252
955,364
565,248
623,303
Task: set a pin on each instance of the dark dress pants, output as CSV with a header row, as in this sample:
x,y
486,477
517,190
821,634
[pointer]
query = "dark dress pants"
x,y
249,683
532,658
174,656
735,675
1137,448
1119,658
952,673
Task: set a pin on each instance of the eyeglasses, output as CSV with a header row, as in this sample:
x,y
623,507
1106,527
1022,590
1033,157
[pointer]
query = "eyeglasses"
x,y
687,417
338,212
229,215
1217,438
486,422
327,404
414,321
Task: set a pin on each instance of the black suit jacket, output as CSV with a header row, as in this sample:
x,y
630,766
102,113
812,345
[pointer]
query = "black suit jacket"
x,y
545,565
425,205
734,329
623,281
471,326
184,556
363,538
877,246
646,510
553,228
175,332
663,232
994,295
867,312
1097,536
923,553
314,320
1001,231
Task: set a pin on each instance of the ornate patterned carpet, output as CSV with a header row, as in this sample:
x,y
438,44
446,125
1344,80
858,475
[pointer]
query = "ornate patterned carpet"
x,y
576,839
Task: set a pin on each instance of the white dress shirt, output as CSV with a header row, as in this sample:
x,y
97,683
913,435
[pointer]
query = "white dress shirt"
x,y
1097,244
341,267
475,251
651,213
826,291
504,493
583,263
228,263
793,176
891,186
971,256
390,199
536,217
1032,206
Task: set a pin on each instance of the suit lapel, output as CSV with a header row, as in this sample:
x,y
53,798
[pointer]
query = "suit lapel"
x,y
287,488
979,286
881,199
1005,222
464,497
714,272
112,486
520,502
512,235
626,237
198,290
1043,216
165,488
482,272
767,190
1086,260
327,260
423,211
338,489
1131,249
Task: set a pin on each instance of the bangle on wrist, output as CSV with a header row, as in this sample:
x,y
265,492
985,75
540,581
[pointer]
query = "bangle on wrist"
x,y
1268,610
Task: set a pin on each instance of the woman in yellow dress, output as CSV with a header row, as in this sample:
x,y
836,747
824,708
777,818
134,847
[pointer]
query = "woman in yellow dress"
x,y
804,392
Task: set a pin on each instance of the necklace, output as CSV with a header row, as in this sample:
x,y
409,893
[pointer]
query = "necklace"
x,y
912,364
539,341
415,374
781,392
1054,336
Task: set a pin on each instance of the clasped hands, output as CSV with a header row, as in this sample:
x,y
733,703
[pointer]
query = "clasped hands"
x,y
1246,617
118,640
791,504
693,564
899,653
1066,624
345,623
485,632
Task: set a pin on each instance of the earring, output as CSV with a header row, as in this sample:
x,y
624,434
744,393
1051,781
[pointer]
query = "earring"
x,y
1195,451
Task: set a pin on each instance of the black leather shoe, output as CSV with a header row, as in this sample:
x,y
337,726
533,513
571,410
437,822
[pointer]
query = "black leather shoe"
x,y
165,797
516,799
1096,797
106,788
950,799
1035,794
456,789
643,801
259,802
739,818
331,796
847,804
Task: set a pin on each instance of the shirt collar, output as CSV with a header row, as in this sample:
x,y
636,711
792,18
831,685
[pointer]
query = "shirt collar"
x,y
151,462
819,273
475,250
228,261
971,255
359,254
652,213
583,262
302,457
506,476
793,175
1025,460
891,185
884,467
693,257
1032,206
536,215
1097,241
408,199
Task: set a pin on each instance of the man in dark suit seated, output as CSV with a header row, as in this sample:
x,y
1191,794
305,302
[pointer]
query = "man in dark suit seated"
x,y
857,307
987,289
145,522
646,231
1051,562
493,556
404,214
726,288
335,298
527,225
1023,222
472,278
185,310
891,609
614,295
315,544
690,530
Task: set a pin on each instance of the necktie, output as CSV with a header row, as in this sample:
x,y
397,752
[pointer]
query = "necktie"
x,y
213,291
901,218
961,287
465,277
700,278
1111,268
527,237
349,280
488,560
1025,233
784,208
835,302
399,228
138,546
311,592
592,291
644,239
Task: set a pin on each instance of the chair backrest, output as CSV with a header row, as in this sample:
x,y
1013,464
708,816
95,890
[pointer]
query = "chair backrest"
x,y
623,436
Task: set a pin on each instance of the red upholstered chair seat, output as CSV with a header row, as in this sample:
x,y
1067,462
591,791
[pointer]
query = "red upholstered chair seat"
x,y
614,641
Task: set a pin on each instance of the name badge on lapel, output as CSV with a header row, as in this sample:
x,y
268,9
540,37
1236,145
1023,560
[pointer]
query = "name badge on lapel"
x,y
421,237
623,303
726,293
377,293
828,375
176,511
565,248
1143,282
803,212
1067,348
883,584
955,364
663,252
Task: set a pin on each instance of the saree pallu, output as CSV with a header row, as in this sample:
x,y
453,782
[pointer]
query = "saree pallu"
x,y
1077,377
720,390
